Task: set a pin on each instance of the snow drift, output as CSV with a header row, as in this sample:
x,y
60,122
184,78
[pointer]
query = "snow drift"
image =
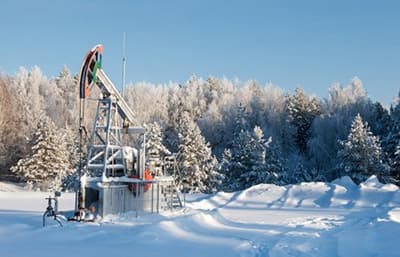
x,y
307,219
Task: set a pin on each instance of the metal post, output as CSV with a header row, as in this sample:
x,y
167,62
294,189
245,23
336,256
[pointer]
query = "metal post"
x,y
123,63
152,197
158,196
137,198
124,203
107,141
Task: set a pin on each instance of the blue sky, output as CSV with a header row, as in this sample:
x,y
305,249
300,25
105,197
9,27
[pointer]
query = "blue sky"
x,y
306,43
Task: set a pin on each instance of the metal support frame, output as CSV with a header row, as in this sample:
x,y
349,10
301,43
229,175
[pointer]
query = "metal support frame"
x,y
105,143
105,166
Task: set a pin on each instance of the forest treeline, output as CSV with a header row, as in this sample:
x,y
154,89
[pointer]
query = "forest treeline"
x,y
228,134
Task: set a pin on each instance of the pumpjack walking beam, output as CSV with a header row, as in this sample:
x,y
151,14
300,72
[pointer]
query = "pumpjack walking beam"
x,y
93,74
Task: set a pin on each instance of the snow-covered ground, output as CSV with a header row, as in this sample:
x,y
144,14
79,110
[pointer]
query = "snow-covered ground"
x,y
309,219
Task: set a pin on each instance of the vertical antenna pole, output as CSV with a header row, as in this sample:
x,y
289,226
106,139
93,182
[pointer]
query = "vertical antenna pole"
x,y
123,63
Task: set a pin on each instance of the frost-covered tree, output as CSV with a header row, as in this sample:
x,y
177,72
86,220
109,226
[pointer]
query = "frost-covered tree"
x,y
275,164
250,161
241,121
71,140
67,103
234,158
255,172
187,99
236,161
395,169
26,105
332,127
26,85
298,175
302,111
274,113
266,166
155,150
148,101
197,165
194,99
392,140
303,173
174,123
9,138
380,120
361,153
48,161
255,96
216,123
305,137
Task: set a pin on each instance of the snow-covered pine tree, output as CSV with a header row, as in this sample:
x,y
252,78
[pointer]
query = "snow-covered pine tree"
x,y
236,157
71,180
197,166
48,161
275,164
238,122
361,153
395,169
230,169
381,121
302,112
266,165
254,172
299,174
302,173
241,123
155,150
392,140
251,161
236,161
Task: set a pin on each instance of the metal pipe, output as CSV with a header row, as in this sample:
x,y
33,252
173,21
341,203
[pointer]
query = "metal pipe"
x,y
152,197
137,198
158,197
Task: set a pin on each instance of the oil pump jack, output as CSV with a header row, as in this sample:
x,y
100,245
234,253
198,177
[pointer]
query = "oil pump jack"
x,y
112,172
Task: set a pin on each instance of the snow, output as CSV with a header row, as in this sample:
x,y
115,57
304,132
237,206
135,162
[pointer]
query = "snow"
x,y
394,215
307,219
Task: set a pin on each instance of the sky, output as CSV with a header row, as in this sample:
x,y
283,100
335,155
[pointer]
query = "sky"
x,y
310,43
